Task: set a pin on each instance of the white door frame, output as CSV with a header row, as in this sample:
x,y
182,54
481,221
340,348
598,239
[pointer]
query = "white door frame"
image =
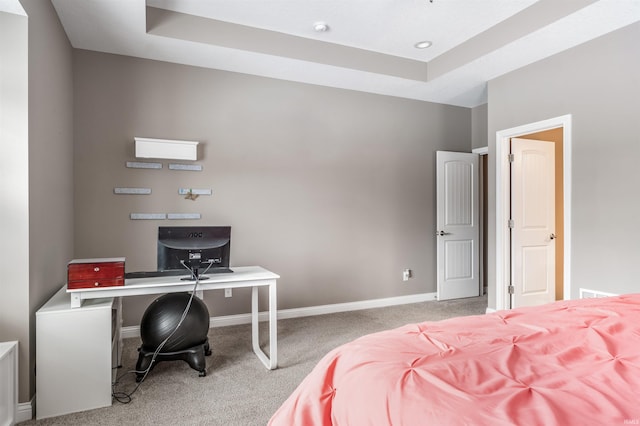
x,y
503,201
482,200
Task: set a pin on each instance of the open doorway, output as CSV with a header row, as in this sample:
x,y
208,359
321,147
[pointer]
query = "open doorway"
x,y
555,136
558,129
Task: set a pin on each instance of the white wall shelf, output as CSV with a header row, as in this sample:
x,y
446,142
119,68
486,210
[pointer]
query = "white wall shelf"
x,y
143,165
186,167
166,149
194,191
183,216
132,191
148,216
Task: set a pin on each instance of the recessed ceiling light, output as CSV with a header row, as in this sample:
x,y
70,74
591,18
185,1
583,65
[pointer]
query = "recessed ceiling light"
x,y
321,27
422,44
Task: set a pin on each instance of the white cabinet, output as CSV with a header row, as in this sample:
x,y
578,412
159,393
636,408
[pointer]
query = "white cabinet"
x,y
77,351
8,383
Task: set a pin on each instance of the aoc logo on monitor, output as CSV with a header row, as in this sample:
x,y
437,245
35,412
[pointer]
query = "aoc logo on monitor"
x,y
194,235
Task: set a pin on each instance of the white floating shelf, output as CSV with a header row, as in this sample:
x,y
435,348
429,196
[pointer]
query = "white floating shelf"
x,y
194,191
166,149
178,216
148,216
143,165
132,191
187,167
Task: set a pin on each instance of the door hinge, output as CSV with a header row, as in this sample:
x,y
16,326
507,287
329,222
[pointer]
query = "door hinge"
x,y
511,223
511,289
512,158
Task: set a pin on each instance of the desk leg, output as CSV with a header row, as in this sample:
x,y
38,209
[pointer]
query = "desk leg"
x,y
270,362
76,300
273,326
255,327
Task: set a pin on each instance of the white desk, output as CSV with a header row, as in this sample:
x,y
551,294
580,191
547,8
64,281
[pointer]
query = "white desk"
x,y
246,276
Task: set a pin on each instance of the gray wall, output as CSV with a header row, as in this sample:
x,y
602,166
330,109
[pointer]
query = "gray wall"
x,y
332,189
51,212
598,83
37,173
479,126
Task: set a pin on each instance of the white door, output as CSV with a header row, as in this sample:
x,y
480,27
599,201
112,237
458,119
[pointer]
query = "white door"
x,y
533,222
457,228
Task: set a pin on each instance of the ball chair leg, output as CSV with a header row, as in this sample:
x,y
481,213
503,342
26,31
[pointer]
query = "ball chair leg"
x,y
196,360
144,361
207,348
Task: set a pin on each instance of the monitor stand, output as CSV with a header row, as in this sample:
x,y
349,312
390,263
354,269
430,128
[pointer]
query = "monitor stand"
x,y
194,275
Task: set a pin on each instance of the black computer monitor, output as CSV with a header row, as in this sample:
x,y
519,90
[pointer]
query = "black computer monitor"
x,y
194,249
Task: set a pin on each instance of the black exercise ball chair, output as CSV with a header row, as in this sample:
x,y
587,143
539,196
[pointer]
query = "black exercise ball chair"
x,y
189,342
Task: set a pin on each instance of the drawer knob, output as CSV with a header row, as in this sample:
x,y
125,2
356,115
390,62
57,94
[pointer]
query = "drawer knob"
x,y
96,284
96,269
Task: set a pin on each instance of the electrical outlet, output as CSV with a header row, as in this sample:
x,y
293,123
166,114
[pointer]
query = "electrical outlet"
x,y
228,292
406,274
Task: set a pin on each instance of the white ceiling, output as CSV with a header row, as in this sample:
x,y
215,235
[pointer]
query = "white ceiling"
x,y
12,6
369,45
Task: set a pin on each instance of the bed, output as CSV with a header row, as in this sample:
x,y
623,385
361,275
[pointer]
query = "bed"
x,y
565,363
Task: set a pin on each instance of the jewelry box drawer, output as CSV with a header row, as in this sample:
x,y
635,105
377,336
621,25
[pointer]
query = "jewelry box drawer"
x,y
91,273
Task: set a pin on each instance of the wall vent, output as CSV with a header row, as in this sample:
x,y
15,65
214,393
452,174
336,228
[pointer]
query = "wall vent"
x,y
590,294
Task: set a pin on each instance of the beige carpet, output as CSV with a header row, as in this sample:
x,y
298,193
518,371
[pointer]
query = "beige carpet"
x,y
238,389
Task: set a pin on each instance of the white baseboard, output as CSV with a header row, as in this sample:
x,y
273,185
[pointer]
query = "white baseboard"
x,y
489,310
25,411
134,331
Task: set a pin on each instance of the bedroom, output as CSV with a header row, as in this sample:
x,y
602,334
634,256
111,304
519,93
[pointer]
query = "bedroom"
x,y
596,82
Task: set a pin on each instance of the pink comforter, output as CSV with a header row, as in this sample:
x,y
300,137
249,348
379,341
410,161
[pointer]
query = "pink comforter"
x,y
566,363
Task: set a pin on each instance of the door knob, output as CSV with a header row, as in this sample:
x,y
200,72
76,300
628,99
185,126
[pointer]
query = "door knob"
x,y
440,233
552,236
